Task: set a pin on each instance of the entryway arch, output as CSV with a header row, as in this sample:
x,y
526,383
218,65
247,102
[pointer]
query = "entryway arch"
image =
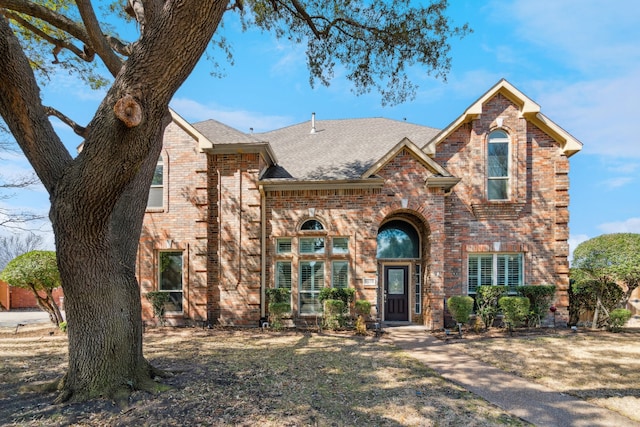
x,y
402,255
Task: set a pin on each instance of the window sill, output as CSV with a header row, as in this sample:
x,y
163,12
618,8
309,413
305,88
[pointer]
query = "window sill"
x,y
154,210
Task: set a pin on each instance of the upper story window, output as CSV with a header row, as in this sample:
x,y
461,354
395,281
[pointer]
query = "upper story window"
x,y
498,166
156,192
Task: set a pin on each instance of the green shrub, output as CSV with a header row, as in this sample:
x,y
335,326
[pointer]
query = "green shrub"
x,y
540,298
460,307
583,296
63,326
514,310
277,310
363,307
278,294
618,318
158,300
345,295
487,302
333,314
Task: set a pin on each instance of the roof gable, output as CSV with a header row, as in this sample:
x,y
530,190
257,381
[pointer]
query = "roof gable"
x,y
227,140
528,110
426,161
203,141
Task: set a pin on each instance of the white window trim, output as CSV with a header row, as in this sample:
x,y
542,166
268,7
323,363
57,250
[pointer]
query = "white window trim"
x,y
494,267
159,275
506,178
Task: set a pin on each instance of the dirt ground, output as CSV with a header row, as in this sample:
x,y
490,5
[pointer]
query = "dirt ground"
x,y
248,377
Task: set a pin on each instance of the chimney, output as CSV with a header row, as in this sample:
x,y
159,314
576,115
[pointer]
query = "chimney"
x,y
313,123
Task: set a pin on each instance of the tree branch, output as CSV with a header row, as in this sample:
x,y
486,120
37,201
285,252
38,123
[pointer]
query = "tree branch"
x,y
57,20
123,49
86,54
79,130
23,113
98,41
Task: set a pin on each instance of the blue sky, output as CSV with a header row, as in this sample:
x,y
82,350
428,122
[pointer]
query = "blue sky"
x,y
578,59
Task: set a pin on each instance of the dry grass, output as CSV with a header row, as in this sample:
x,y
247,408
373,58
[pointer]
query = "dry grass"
x,y
246,378
600,367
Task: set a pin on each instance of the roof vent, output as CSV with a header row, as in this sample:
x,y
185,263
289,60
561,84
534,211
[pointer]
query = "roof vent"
x,y
313,123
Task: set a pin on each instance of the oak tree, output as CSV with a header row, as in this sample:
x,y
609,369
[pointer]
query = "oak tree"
x,y
98,197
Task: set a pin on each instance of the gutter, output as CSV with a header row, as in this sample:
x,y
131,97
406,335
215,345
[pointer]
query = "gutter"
x,y
263,251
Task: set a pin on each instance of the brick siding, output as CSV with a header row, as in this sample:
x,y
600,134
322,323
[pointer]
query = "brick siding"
x,y
213,212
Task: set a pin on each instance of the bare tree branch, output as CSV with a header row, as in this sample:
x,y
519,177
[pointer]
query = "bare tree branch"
x,y
98,41
20,182
16,245
79,130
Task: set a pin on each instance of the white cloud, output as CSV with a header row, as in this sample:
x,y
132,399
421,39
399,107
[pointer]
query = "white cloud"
x,y
588,35
631,225
600,113
617,182
240,119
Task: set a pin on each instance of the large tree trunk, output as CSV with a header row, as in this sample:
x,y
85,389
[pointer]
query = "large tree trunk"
x,y
98,199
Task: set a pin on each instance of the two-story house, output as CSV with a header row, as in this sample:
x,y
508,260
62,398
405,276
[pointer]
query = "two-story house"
x,y
407,215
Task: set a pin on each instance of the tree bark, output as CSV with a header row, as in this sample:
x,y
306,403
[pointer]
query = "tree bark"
x,y
98,199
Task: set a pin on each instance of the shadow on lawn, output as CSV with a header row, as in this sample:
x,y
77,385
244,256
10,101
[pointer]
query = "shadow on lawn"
x,y
244,377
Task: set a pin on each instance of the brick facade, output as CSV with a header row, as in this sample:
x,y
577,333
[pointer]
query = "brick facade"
x,y
226,219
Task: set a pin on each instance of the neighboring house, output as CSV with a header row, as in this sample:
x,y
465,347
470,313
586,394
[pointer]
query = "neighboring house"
x,y
407,215
14,298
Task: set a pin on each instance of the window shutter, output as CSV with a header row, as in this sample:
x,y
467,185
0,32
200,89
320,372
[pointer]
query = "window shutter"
x,y
312,245
340,274
283,275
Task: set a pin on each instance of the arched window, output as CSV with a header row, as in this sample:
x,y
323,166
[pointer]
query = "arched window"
x,y
498,166
312,224
156,192
398,239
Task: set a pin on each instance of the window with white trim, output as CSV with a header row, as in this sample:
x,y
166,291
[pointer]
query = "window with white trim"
x,y
283,274
495,269
340,245
283,246
498,166
340,274
311,281
170,279
156,192
311,245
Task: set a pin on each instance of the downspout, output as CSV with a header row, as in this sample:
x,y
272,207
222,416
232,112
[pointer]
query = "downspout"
x,y
263,251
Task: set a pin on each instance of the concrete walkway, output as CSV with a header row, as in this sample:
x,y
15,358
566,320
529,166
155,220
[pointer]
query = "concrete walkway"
x,y
531,402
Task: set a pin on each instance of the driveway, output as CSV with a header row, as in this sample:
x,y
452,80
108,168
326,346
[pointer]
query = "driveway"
x,y
23,317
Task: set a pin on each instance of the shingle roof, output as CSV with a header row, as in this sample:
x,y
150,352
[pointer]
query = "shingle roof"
x,y
219,133
339,149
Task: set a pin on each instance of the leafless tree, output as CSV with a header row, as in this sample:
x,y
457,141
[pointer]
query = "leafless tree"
x,y
17,244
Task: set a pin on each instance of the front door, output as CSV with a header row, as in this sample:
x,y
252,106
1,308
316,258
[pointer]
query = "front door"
x,y
396,284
